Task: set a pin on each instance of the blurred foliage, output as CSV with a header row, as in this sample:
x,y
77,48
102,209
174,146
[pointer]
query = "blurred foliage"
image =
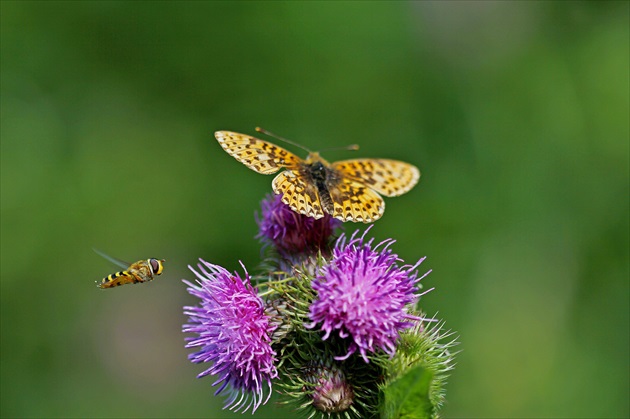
x,y
515,112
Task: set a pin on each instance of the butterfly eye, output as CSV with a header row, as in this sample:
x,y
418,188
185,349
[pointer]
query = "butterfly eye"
x,y
156,266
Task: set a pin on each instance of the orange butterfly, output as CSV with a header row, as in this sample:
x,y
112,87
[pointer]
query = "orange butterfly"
x,y
348,189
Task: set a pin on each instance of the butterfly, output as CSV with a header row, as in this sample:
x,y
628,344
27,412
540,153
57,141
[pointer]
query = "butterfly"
x,y
349,190
141,271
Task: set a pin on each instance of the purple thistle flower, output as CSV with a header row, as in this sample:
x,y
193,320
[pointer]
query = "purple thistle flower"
x,y
291,232
234,333
364,294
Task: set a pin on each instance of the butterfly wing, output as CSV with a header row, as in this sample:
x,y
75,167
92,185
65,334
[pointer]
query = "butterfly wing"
x,y
260,156
353,185
299,194
387,177
355,201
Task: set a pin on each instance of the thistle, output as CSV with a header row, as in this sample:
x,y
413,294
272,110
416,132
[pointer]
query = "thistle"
x,y
292,233
331,324
364,295
234,333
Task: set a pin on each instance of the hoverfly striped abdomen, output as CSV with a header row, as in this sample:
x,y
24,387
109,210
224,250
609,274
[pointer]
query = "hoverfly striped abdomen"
x,y
141,271
114,281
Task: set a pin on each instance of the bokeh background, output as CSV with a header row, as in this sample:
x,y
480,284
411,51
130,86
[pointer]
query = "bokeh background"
x,y
515,112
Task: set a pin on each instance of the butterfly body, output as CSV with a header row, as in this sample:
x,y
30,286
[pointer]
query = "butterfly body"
x,y
347,190
316,171
141,271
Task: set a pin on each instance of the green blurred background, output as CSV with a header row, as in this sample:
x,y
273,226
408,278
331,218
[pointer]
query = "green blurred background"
x,y
515,112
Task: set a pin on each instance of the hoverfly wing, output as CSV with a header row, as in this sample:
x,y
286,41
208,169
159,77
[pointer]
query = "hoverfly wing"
x,y
117,262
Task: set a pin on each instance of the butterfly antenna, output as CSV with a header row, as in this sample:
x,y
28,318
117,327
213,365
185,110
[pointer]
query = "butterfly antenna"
x,y
271,134
351,147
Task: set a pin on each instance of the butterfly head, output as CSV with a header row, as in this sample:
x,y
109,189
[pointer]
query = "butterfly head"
x,y
314,157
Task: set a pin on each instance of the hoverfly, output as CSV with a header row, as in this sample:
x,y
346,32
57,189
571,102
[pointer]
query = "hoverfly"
x,y
141,271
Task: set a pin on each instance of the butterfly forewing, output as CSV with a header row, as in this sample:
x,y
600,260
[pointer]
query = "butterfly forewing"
x,y
387,177
260,156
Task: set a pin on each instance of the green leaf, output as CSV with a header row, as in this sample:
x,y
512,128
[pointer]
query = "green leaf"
x,y
408,396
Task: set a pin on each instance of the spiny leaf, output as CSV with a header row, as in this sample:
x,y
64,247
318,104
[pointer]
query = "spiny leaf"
x,y
408,396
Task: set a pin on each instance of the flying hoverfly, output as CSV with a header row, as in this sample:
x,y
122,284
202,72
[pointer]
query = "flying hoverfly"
x,y
141,271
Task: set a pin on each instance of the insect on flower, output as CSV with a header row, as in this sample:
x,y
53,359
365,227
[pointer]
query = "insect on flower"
x,y
349,190
141,271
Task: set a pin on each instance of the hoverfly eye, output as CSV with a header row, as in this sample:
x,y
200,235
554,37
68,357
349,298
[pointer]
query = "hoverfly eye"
x,y
156,266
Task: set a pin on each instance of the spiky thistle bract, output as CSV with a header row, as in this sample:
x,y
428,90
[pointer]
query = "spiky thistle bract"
x,y
330,323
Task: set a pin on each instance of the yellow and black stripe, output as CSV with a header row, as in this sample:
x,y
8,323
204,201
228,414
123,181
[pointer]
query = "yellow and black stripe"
x,y
111,279
141,271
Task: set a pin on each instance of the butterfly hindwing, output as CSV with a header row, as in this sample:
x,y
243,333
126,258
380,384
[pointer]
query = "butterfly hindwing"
x,y
354,201
298,193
